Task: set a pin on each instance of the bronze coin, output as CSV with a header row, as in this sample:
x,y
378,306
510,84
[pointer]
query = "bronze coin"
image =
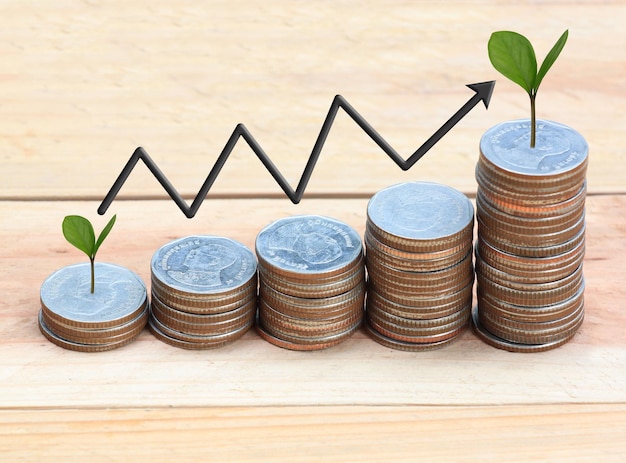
x,y
207,329
532,239
524,313
270,314
422,298
95,325
214,304
323,339
417,339
80,347
512,281
531,298
187,341
230,312
391,252
531,337
433,281
424,303
202,299
401,329
533,211
538,195
301,335
513,222
312,289
526,182
536,326
500,343
287,344
495,240
86,339
417,296
304,278
403,322
416,265
97,336
431,311
534,269
408,346
422,246
310,305
318,312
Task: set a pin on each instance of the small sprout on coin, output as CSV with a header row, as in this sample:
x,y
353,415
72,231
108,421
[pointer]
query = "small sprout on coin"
x,y
513,55
79,232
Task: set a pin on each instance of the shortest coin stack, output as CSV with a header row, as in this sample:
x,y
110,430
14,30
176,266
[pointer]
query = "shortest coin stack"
x,y
418,240
204,291
312,282
74,318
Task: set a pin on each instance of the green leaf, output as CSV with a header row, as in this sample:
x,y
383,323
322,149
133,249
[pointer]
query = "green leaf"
x,y
550,58
513,55
103,234
79,232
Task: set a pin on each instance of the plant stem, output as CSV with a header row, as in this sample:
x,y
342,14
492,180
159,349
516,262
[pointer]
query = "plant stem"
x,y
91,259
533,122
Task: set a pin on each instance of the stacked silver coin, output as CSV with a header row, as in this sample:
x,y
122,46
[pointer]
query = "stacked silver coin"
x,y
418,241
311,282
112,316
204,292
531,236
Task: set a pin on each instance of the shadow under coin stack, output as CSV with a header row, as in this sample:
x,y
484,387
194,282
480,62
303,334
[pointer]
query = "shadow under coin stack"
x,y
74,318
204,291
531,236
418,241
312,282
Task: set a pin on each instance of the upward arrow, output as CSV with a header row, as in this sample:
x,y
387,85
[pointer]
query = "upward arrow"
x,y
482,91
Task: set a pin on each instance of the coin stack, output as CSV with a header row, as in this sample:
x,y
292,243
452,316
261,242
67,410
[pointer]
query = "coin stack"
x,y
531,236
418,242
311,282
112,316
204,291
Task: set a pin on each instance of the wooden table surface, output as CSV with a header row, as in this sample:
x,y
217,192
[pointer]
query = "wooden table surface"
x,y
85,82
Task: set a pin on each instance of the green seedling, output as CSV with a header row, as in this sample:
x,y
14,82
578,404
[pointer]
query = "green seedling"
x,y
79,232
513,55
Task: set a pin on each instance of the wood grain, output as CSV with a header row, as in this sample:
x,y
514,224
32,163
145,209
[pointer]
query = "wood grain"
x,y
573,433
84,83
253,372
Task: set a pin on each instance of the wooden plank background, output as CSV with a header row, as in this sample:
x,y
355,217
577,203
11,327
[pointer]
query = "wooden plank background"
x,y
252,372
86,82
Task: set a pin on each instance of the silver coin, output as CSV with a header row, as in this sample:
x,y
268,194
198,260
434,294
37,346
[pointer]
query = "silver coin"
x,y
420,210
119,292
558,148
203,264
309,245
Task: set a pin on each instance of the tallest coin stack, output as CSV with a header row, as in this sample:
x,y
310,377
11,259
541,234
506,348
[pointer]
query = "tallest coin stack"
x,y
530,206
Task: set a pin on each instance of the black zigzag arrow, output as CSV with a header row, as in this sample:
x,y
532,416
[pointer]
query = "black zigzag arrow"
x,y
482,91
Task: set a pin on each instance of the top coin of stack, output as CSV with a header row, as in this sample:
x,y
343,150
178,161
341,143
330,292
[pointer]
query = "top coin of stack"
x,y
112,316
531,236
204,291
311,282
418,240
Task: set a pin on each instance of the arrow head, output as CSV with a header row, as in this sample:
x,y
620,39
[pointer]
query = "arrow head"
x,y
484,90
